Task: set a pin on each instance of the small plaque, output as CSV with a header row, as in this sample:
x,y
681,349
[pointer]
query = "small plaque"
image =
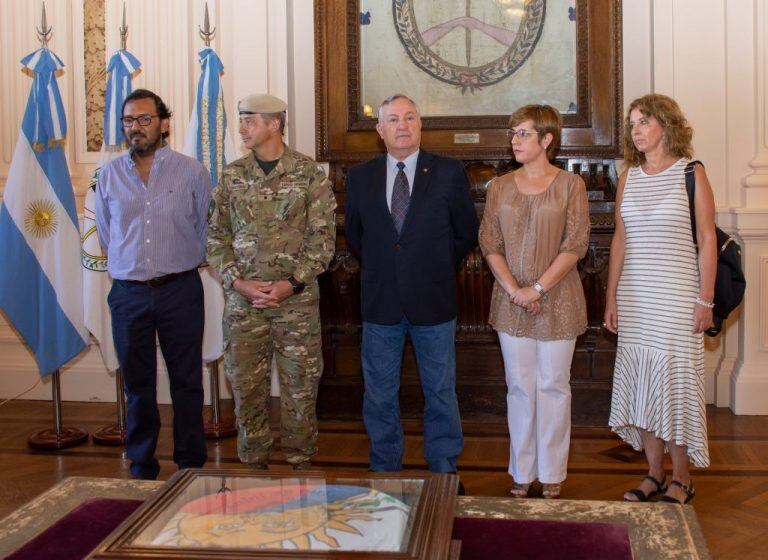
x,y
466,138
595,195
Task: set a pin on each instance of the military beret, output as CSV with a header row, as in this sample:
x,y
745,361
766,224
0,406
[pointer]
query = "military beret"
x,y
261,103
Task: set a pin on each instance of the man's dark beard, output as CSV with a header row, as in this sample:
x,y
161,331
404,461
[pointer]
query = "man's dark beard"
x,y
148,149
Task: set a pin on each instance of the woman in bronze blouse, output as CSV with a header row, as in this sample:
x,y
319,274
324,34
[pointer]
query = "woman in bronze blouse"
x,y
534,230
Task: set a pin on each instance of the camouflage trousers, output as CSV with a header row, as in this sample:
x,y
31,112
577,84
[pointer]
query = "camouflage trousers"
x,y
252,337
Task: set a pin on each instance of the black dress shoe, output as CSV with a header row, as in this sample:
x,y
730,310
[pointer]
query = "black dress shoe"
x,y
144,476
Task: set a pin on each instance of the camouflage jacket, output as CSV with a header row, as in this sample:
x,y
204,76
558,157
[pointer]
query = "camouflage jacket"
x,y
269,227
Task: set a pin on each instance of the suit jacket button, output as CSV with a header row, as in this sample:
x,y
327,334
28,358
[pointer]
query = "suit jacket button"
x,y
397,247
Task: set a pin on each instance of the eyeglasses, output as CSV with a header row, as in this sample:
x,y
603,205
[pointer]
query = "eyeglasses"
x,y
520,133
143,120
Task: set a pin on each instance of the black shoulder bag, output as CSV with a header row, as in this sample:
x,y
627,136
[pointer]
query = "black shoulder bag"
x,y
729,282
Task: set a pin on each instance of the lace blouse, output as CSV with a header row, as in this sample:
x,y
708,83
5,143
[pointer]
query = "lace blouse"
x,y
530,231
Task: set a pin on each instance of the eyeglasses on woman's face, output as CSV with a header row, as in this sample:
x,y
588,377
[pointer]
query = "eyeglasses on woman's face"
x,y
521,133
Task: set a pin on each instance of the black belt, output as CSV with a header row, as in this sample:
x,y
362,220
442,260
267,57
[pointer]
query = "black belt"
x,y
160,280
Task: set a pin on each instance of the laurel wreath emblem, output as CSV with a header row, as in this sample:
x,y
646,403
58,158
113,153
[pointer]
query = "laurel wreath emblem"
x,y
466,77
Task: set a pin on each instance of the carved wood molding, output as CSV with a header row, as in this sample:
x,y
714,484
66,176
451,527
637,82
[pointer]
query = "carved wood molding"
x,y
95,62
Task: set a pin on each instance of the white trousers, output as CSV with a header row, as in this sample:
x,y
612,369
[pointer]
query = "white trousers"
x,y
538,407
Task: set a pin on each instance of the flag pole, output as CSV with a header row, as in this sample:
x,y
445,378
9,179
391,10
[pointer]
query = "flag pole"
x,y
114,434
61,437
218,427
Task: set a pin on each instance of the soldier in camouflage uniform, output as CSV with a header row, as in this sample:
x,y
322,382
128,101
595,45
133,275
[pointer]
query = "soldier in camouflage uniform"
x,y
272,231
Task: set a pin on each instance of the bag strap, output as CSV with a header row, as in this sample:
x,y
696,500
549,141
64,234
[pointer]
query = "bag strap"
x,y
690,188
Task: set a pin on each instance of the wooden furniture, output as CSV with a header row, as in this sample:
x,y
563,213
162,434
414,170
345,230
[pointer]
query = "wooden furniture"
x,y
591,142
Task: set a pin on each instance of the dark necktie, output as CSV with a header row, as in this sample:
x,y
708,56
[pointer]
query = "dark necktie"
x,y
401,197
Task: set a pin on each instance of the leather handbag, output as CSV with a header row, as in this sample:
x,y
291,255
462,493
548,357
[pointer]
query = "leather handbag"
x,y
729,282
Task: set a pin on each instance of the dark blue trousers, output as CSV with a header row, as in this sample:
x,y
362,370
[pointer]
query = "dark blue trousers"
x,y
382,357
174,313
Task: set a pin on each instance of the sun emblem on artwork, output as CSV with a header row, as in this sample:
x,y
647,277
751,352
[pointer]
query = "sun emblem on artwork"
x,y
40,218
270,529
335,517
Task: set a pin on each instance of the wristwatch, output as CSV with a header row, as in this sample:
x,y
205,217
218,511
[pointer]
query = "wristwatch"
x,y
296,285
539,288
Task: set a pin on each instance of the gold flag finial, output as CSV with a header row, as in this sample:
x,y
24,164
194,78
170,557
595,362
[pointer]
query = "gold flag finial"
x,y
206,33
44,31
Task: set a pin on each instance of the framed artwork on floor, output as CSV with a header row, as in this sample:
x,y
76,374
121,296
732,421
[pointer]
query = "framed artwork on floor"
x,y
230,514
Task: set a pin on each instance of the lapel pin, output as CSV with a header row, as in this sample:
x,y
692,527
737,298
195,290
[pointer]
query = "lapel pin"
x,y
424,170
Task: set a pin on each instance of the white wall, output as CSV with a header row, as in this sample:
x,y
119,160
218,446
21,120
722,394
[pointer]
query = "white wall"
x,y
708,54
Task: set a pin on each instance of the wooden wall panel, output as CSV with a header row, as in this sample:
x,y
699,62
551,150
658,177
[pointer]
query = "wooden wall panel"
x,y
480,371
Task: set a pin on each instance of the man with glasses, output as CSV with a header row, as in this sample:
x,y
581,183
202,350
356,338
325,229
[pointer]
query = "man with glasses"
x,y
272,232
151,209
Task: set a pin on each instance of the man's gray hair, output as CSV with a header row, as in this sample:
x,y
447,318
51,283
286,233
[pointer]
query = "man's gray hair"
x,y
395,97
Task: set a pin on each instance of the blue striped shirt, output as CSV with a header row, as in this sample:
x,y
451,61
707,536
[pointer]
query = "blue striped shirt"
x,y
155,229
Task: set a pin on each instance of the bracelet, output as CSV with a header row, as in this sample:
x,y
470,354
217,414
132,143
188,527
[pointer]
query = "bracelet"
x,y
707,304
539,288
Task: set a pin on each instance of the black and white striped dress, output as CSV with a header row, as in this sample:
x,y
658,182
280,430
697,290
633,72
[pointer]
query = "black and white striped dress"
x,y
658,382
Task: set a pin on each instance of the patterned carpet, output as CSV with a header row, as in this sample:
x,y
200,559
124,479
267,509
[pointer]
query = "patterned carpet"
x,y
657,531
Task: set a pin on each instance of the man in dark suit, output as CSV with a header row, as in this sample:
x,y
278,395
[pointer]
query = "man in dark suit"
x,y
410,216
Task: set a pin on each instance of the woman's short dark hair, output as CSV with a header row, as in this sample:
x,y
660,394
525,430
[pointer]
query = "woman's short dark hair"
x,y
677,132
162,109
546,120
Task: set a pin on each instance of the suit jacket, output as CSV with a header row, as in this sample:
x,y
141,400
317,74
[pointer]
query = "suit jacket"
x,y
412,274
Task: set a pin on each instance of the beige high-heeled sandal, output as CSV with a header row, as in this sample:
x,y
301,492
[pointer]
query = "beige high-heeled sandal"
x,y
551,491
520,490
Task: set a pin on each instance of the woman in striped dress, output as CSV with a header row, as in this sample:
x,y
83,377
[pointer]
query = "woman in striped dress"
x,y
659,298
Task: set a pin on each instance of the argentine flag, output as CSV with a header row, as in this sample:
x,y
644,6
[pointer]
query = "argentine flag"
x,y
121,68
41,280
208,139
209,142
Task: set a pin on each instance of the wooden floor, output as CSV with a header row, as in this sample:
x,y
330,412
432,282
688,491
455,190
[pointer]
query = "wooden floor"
x,y
731,501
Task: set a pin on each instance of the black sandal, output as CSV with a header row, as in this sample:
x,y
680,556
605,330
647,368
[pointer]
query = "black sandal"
x,y
690,493
642,496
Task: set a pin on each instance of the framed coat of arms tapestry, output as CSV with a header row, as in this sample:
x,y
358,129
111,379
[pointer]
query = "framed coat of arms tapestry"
x,y
468,64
